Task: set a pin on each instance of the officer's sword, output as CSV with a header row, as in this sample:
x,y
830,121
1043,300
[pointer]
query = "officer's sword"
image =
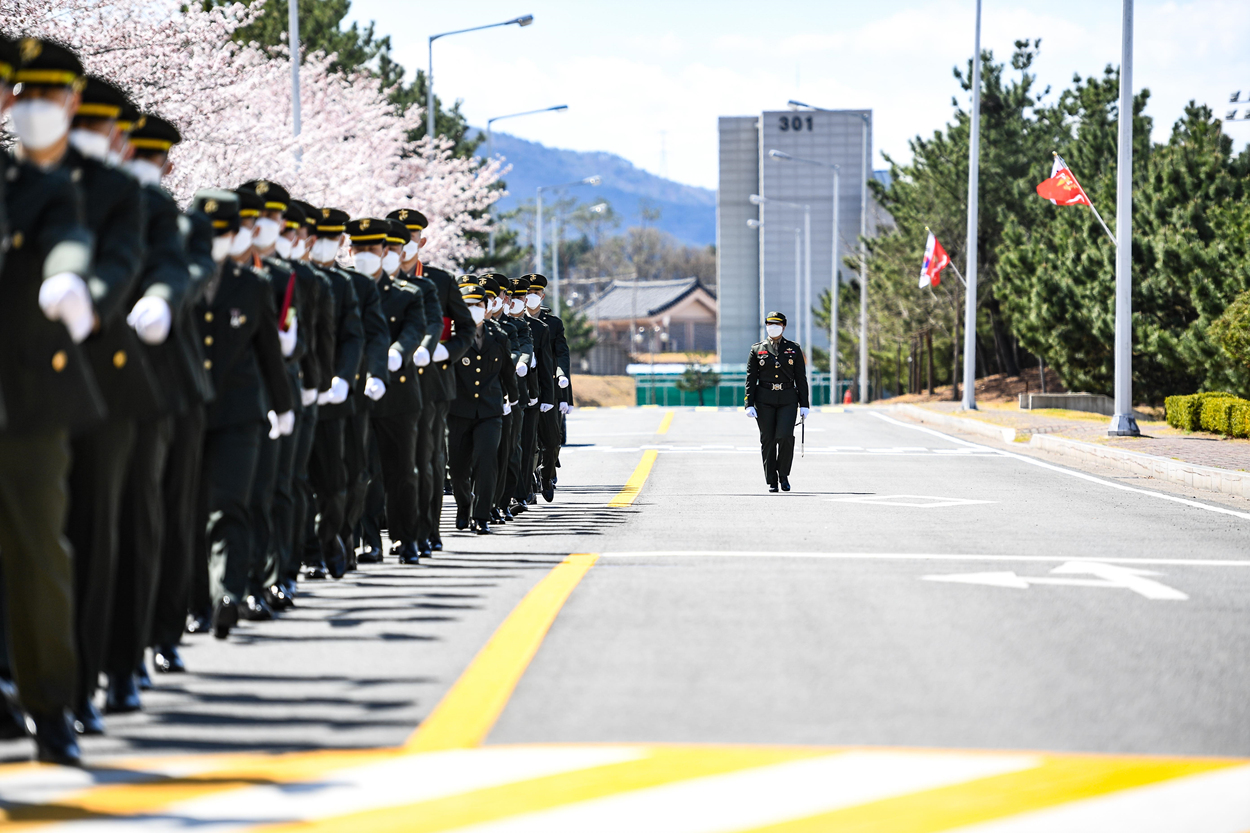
x,y
802,434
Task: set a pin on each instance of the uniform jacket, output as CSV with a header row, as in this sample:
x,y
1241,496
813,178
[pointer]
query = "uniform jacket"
x,y
403,307
238,326
480,383
776,374
431,377
198,236
166,274
349,338
543,385
521,344
457,333
560,351
281,275
46,380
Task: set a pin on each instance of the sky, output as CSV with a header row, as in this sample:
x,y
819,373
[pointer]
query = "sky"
x,y
648,79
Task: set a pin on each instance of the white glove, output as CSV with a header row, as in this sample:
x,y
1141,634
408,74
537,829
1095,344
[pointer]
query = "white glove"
x,y
563,381
393,360
545,407
307,396
804,411
151,319
323,398
274,433
375,388
566,408
534,360
533,402
289,337
65,298
338,391
286,423
751,412
441,354
421,357
507,407
521,369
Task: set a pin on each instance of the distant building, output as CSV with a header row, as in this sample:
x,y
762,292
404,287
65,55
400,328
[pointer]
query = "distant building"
x,y
839,137
683,308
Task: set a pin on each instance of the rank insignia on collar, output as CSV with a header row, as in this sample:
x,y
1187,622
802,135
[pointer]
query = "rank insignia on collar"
x,y
791,361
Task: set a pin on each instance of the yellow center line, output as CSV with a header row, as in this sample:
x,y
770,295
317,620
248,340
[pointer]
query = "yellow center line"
x,y
627,495
466,714
665,423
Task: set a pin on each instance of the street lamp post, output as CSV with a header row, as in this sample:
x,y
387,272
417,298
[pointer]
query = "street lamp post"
x,y
538,222
1123,423
524,20
293,42
800,306
490,147
970,280
834,284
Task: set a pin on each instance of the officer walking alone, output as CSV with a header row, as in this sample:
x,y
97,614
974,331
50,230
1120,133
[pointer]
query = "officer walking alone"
x,y
776,395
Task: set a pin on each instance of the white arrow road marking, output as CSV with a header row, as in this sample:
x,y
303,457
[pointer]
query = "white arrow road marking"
x,y
915,501
1105,575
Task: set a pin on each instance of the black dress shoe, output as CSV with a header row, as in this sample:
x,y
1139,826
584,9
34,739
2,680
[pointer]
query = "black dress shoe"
x,y
785,484
462,519
167,660
88,720
199,622
349,553
141,677
254,609
336,558
277,598
316,572
517,508
123,695
225,616
532,499
290,588
410,554
495,517
55,742
12,721
481,527
424,548
436,543
549,491
772,487
369,555
507,514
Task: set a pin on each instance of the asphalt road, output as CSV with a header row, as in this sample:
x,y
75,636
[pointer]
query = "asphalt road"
x,y
914,590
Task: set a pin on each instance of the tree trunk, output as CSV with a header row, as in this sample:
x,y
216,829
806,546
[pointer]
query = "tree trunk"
x,y
955,362
1006,360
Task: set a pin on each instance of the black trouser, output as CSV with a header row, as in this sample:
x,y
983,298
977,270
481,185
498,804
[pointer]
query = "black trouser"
x,y
182,486
513,477
529,449
97,478
776,424
328,476
38,569
397,449
230,456
549,438
504,458
433,499
369,530
305,498
282,514
426,481
472,446
356,460
260,508
142,543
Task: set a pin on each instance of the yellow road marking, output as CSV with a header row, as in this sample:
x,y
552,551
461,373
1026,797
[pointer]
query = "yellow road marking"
x,y
1057,781
665,423
627,495
467,712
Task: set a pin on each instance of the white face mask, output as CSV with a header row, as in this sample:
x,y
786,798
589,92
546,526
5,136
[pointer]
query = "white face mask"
x,y
299,248
390,263
144,171
39,123
410,249
114,158
367,263
282,247
516,306
221,247
90,144
325,249
495,304
774,330
265,232
242,242
478,313
533,301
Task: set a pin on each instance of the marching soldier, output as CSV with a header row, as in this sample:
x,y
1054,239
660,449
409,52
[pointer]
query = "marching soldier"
x,y
496,286
536,435
46,312
550,430
475,418
776,396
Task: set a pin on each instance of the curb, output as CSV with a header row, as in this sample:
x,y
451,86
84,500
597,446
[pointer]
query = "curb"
x,y
1164,468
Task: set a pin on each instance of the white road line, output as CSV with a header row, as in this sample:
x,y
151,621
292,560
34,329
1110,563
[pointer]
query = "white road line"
x,y
764,795
917,556
1079,474
1214,802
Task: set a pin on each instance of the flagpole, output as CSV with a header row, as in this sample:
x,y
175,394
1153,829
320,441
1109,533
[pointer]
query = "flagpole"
x,y
1122,422
970,284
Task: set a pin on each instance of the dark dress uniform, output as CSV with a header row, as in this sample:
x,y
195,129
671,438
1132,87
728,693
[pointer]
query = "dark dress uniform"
x,y
551,423
776,388
238,324
475,420
522,345
532,429
50,391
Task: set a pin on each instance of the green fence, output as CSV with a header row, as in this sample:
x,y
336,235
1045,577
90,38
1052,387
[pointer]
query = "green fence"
x,y
661,389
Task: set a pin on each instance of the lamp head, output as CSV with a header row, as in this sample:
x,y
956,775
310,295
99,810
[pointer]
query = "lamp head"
x,y
777,154
525,20
754,223
559,107
756,199
593,180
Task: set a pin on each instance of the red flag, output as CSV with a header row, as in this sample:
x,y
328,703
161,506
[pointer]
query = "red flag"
x,y
935,260
1062,187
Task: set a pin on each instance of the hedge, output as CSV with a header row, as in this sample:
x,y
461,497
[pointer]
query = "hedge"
x,y
1214,411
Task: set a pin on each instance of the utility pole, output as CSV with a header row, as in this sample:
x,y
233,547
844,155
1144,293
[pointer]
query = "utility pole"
x,y
970,288
1122,423
863,269
293,42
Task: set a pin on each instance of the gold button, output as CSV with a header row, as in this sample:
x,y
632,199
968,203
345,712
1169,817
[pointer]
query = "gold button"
x,y
119,359
403,379
357,377
17,240
420,370
392,318
479,358
208,341
208,316
476,395
59,360
477,383
208,364
479,370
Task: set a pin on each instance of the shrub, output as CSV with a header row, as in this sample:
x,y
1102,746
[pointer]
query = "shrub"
x,y
1215,411
1215,415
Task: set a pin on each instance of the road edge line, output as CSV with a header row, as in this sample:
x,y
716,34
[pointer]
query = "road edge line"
x,y
626,496
471,707
665,423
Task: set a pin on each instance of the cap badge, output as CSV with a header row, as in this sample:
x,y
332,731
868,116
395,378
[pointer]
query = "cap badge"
x,y
30,49
364,224
210,206
262,188
325,213
403,214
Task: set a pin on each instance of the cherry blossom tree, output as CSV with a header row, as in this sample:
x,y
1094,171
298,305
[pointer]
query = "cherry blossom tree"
x,y
232,103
